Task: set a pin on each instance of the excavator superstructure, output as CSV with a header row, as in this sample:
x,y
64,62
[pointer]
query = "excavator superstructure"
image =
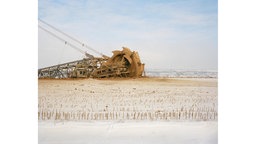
x,y
123,63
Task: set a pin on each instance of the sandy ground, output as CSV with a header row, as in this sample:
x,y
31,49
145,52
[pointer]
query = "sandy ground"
x,y
146,110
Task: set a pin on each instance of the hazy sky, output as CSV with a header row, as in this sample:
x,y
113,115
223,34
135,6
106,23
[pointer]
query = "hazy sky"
x,y
168,34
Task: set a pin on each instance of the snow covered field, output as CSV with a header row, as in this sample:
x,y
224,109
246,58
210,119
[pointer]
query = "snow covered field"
x,y
129,133
146,110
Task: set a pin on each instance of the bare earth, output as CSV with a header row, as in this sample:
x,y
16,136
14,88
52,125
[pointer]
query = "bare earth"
x,y
118,108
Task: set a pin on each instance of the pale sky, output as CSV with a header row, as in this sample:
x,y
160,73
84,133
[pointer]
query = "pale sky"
x,y
168,34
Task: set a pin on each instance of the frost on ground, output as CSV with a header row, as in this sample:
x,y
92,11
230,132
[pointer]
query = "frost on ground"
x,y
147,110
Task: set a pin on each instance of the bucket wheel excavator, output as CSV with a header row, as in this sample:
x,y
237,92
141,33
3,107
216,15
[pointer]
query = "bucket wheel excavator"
x,y
123,63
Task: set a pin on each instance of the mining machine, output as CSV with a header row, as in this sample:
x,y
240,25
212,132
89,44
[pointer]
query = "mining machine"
x,y
123,63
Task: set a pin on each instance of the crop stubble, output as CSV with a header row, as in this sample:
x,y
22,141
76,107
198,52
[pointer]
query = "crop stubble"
x,y
128,99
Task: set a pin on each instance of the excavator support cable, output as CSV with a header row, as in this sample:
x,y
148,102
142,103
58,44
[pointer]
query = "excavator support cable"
x,y
74,39
61,39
